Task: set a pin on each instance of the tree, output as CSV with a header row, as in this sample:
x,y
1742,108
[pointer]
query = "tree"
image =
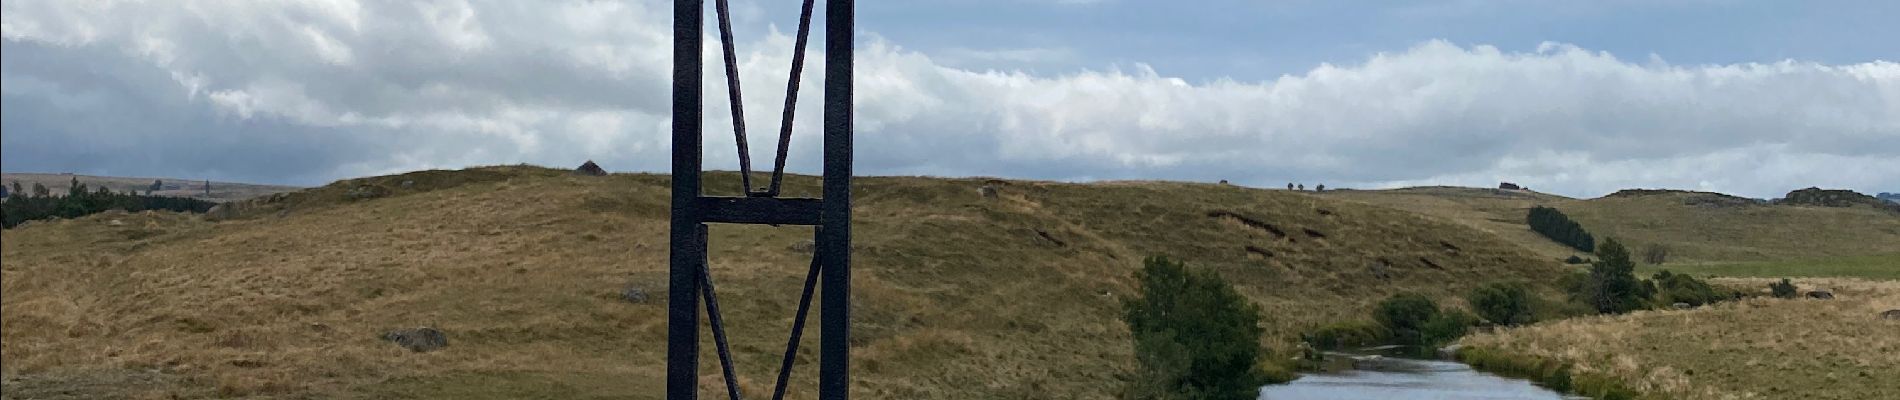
x,y
40,190
1783,289
1558,227
1613,288
17,191
1655,254
1195,337
1502,303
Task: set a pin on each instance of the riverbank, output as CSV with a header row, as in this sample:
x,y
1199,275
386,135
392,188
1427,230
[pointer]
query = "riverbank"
x,y
1758,348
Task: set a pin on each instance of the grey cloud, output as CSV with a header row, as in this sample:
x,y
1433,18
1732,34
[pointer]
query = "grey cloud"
x,y
307,92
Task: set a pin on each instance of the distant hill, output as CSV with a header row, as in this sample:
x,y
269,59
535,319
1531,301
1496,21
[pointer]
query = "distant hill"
x,y
958,295
1697,226
1889,197
1835,198
175,187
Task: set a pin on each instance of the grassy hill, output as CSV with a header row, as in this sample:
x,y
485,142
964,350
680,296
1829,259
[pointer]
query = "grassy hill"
x,y
1697,227
1758,348
957,296
220,191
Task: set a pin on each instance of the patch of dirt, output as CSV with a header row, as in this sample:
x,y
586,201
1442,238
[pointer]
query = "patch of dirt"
x,y
1249,222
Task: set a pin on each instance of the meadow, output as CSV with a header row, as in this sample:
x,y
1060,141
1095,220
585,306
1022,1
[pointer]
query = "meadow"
x,y
1759,348
956,295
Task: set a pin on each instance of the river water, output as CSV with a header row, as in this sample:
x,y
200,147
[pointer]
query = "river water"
x,y
1407,379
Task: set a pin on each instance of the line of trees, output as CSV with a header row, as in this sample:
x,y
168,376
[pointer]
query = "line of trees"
x,y
81,201
1555,225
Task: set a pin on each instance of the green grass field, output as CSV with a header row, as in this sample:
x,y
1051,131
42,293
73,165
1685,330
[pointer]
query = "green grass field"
x,y
1878,266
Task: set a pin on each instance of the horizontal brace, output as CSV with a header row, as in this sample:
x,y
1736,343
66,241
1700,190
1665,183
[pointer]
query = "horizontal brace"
x,y
760,210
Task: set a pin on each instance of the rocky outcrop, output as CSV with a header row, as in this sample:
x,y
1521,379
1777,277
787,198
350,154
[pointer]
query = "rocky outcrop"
x,y
589,168
1835,198
420,340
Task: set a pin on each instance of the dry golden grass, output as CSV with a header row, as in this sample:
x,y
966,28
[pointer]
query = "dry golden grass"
x,y
956,296
1760,348
1500,212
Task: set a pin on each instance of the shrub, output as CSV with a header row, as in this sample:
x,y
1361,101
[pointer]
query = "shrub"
x,y
1558,227
1612,286
1405,315
1574,260
1783,289
1502,303
1195,337
1674,288
1655,254
1447,326
1346,334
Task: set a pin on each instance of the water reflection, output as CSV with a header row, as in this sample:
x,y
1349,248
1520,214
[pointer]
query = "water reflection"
x,y
1406,379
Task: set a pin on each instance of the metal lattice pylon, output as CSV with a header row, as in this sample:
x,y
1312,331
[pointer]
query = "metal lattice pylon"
x,y
689,276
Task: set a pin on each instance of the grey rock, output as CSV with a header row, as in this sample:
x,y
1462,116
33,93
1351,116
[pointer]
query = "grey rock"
x,y
1820,295
987,191
365,192
803,246
633,294
420,340
408,184
1893,315
1681,306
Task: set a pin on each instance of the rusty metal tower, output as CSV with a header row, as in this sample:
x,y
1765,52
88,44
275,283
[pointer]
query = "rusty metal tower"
x,y
690,278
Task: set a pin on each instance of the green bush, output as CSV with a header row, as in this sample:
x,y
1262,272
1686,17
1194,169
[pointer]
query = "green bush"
x,y
1195,337
1674,288
1502,303
1783,289
1347,334
1405,315
1446,327
1558,227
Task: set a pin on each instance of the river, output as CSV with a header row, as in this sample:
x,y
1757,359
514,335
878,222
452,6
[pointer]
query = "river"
x,y
1391,378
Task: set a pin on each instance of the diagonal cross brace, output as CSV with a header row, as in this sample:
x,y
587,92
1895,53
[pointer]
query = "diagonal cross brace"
x,y
689,277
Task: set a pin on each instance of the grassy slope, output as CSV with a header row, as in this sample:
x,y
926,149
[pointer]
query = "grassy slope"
x,y
1760,348
1751,233
956,296
1694,234
1500,212
1877,266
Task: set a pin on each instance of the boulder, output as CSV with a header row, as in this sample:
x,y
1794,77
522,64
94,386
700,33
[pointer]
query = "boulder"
x,y
633,294
589,168
420,340
366,192
987,191
803,246
1681,306
1891,315
1509,186
1820,295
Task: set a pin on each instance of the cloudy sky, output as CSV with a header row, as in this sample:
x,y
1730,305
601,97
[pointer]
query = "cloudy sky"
x,y
1576,98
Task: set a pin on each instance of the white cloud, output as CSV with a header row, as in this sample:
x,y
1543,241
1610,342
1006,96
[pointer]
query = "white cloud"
x,y
505,82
